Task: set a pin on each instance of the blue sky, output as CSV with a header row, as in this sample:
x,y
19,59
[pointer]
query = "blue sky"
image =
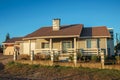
x,y
21,17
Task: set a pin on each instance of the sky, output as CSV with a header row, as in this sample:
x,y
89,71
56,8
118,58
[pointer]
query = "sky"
x,y
21,17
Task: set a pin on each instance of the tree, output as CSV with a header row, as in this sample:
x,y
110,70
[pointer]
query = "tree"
x,y
117,47
7,37
1,49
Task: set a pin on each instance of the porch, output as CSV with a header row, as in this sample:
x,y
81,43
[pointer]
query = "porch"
x,y
61,55
64,48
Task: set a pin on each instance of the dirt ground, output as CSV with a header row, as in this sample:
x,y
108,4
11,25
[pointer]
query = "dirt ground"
x,y
5,58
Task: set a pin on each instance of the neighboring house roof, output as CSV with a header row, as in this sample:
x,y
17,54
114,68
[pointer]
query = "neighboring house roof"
x,y
12,40
100,31
64,31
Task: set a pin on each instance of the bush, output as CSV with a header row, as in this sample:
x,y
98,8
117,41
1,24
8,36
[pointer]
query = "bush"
x,y
79,55
117,59
24,57
37,57
94,58
71,57
42,57
56,57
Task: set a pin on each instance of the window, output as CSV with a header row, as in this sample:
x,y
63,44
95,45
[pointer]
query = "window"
x,y
93,43
66,45
88,43
45,45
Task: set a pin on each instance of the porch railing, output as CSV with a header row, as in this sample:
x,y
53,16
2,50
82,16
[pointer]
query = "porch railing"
x,y
84,51
90,51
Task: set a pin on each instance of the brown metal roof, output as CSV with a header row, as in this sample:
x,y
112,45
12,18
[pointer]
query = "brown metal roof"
x,y
64,31
12,40
100,31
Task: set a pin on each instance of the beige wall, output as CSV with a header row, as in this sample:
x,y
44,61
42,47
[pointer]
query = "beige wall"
x,y
57,43
28,46
81,43
102,42
9,50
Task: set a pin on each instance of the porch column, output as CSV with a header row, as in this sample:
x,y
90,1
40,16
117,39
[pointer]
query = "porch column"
x,y
75,56
29,47
51,52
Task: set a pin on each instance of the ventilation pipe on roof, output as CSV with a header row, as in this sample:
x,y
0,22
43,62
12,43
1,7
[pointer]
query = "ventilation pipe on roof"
x,y
56,24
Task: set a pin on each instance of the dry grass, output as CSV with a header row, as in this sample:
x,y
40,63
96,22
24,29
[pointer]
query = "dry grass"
x,y
13,70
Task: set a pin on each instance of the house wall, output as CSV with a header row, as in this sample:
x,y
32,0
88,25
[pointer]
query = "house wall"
x,y
57,44
102,42
21,48
9,50
82,43
103,45
110,45
39,42
28,46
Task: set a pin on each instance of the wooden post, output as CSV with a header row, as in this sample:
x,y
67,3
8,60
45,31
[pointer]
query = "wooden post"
x,y
102,59
52,56
75,56
51,52
15,55
32,55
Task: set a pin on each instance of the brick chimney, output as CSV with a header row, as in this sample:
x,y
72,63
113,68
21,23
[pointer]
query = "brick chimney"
x,y
56,24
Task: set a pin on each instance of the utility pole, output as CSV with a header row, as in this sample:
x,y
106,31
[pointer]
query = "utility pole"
x,y
117,41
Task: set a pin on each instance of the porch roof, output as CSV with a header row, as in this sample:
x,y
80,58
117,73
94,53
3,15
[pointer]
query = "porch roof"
x,y
68,30
100,31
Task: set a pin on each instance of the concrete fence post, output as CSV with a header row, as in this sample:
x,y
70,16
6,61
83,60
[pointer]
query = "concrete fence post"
x,y
75,58
15,55
51,56
102,60
32,55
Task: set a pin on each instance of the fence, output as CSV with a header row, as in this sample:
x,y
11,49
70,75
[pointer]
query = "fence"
x,y
99,65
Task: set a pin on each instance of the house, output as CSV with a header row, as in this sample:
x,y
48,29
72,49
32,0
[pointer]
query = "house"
x,y
11,44
68,39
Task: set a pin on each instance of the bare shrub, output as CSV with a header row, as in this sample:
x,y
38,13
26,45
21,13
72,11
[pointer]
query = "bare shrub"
x,y
41,56
24,57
